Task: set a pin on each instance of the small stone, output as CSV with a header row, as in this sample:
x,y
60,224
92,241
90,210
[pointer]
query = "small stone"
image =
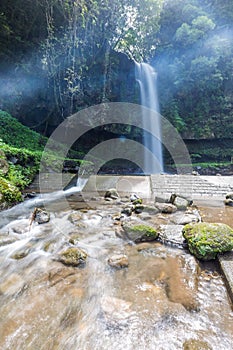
x,y
229,202
166,208
41,216
229,195
111,193
137,201
139,208
118,261
73,257
133,197
20,254
108,199
127,210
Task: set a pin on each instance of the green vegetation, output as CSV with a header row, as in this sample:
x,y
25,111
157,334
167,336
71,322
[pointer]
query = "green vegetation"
x,y
21,150
58,57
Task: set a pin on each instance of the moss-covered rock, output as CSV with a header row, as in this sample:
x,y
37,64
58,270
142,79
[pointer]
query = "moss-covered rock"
x,y
73,256
206,240
140,233
9,194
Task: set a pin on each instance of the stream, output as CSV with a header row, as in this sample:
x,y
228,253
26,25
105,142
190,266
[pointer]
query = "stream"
x,y
164,299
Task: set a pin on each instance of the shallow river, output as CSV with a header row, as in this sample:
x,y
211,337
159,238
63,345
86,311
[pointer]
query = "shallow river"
x,y
163,300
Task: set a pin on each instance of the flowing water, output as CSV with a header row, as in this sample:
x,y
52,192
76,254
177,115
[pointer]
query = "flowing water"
x,y
163,300
147,79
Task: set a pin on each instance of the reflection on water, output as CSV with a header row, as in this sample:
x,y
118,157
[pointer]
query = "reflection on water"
x,y
162,300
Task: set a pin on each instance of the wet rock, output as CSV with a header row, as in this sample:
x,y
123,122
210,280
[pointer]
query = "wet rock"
x,y
111,193
12,284
172,233
115,309
206,240
187,217
194,344
108,199
74,238
40,216
162,199
145,216
30,195
133,197
137,201
75,218
118,260
139,208
20,228
140,233
5,240
229,195
73,257
195,173
127,210
180,202
229,202
166,208
21,253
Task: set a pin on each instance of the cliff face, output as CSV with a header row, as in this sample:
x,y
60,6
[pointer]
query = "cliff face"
x,y
43,104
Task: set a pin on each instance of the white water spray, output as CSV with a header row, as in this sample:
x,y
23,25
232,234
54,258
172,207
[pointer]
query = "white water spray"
x,y
147,79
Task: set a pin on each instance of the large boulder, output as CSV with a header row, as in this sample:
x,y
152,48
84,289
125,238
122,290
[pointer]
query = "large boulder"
x,y
140,233
206,240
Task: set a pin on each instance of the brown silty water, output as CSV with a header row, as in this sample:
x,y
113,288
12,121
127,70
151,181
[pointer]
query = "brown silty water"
x,y
165,299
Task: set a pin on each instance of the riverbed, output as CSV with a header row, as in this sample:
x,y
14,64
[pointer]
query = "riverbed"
x,y
164,299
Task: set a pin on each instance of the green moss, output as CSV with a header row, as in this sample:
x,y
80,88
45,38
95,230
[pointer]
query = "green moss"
x,y
141,233
9,193
73,256
137,201
206,240
15,134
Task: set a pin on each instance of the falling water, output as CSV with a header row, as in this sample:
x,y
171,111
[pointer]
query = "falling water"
x,y
147,79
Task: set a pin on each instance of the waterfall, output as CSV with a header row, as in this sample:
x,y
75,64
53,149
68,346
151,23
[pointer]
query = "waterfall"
x,y
147,79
